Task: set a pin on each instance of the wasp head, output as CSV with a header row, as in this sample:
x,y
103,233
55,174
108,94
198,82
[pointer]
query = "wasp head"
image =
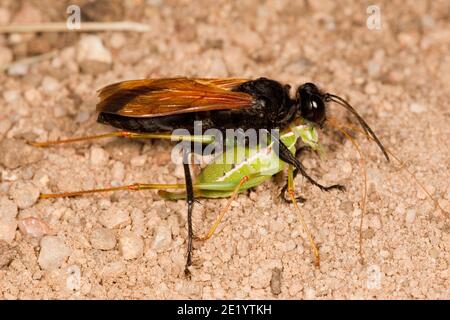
x,y
312,103
312,108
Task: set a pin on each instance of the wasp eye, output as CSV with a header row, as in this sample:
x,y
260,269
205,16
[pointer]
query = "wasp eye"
x,y
312,106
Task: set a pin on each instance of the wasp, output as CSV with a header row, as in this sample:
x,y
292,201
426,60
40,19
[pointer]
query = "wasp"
x,y
154,108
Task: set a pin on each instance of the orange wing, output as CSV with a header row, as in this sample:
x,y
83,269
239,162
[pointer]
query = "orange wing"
x,y
160,97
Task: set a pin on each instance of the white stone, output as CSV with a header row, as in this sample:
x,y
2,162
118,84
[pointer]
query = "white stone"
x,y
91,47
98,156
417,108
103,239
5,16
117,40
113,269
162,238
410,216
24,194
138,161
73,281
18,69
5,125
49,84
131,246
53,253
115,218
6,56
118,171
33,227
11,96
289,245
447,194
8,222
260,278
92,56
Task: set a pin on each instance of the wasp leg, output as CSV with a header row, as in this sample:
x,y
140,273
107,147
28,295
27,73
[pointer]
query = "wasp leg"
x,y
223,211
285,155
291,192
190,202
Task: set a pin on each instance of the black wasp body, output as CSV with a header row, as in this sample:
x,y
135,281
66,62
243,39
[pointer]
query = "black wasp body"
x,y
272,108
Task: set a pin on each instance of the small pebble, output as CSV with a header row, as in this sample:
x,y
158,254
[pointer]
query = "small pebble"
x,y
11,96
346,206
5,16
98,156
5,125
33,96
131,246
277,226
260,278
275,281
410,216
92,55
113,270
384,254
138,161
115,218
18,69
162,238
33,227
103,239
8,222
6,56
310,294
138,220
73,281
417,108
375,222
104,204
118,171
49,84
247,39
117,40
24,194
289,245
447,194
19,153
27,14
53,253
7,254
370,89
82,117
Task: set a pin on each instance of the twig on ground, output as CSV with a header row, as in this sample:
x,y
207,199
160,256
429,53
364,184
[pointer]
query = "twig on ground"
x,y
84,27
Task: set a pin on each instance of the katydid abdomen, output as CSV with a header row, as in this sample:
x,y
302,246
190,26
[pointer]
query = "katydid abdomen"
x,y
220,177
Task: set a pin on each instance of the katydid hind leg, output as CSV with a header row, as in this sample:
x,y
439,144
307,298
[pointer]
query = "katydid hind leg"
x,y
224,209
282,195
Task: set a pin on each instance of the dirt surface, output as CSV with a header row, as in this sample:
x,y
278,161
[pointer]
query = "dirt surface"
x,y
132,244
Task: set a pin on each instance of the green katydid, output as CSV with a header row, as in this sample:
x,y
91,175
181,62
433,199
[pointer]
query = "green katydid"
x,y
221,178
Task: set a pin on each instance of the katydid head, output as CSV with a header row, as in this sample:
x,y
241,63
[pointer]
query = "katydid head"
x,y
312,104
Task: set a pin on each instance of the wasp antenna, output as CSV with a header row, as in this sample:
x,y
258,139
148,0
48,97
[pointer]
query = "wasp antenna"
x,y
416,180
362,160
364,125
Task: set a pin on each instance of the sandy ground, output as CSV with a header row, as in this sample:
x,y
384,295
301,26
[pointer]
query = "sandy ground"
x,y
132,245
